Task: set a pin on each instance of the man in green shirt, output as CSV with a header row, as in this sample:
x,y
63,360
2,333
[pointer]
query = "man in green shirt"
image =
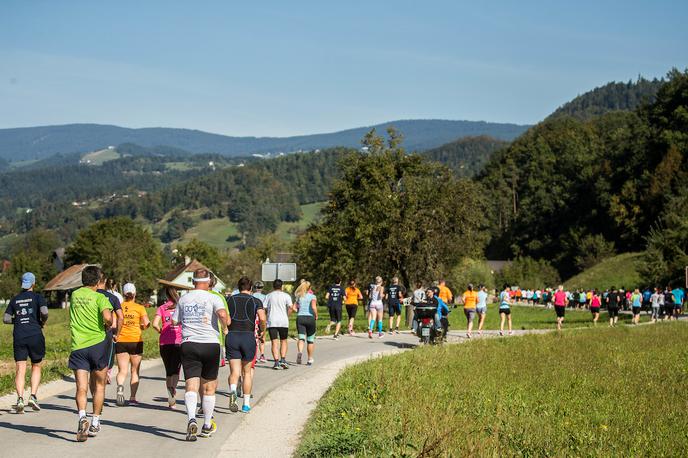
x,y
89,314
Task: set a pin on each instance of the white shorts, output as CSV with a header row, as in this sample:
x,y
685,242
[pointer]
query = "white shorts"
x,y
377,305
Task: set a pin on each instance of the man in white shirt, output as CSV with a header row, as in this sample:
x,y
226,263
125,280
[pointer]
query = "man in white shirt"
x,y
278,306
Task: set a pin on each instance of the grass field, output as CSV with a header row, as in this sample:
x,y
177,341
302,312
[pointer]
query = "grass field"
x,y
311,213
100,156
620,270
214,232
604,392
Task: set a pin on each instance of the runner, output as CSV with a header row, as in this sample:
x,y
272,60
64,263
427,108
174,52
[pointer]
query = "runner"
x,y
111,287
668,304
376,308
678,296
202,317
244,310
613,305
504,309
114,330
353,295
258,293
395,293
481,308
636,305
417,300
560,303
444,293
306,316
89,314
595,303
470,299
28,312
278,306
656,301
334,297
170,343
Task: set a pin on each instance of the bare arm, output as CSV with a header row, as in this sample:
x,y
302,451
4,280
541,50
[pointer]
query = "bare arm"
x,y
107,317
263,321
157,321
225,320
7,318
44,314
119,318
314,307
144,321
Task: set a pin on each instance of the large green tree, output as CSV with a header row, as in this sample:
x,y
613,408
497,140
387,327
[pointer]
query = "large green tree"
x,y
393,214
32,253
126,250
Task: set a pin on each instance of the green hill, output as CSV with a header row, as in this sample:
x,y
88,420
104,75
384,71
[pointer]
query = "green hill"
x,y
620,270
466,156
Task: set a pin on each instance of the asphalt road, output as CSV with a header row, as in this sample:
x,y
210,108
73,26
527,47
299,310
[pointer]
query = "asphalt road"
x,y
152,429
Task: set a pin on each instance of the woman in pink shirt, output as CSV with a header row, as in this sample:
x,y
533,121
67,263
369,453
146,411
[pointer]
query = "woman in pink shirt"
x,y
560,303
595,304
170,343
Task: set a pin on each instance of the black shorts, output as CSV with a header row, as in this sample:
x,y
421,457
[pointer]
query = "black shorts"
x,y
594,310
636,311
241,345
201,360
278,333
172,359
305,326
335,313
505,311
668,309
351,310
560,310
30,347
394,308
133,348
613,312
93,358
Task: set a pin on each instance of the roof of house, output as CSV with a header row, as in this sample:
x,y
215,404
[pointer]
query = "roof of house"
x,y
70,278
190,267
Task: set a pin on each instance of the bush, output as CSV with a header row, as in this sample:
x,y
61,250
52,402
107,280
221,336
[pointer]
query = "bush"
x,y
529,273
469,270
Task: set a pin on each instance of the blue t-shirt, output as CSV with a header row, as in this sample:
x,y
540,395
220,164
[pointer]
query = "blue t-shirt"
x,y
25,308
482,300
114,301
678,296
504,300
305,305
336,293
636,300
260,296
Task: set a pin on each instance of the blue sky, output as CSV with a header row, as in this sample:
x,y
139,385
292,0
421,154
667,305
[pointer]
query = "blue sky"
x,y
294,67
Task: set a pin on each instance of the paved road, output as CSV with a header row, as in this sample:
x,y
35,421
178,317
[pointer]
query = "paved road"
x,y
153,429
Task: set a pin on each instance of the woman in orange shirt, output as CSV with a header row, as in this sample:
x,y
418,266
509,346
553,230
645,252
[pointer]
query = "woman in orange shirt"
x,y
351,297
129,346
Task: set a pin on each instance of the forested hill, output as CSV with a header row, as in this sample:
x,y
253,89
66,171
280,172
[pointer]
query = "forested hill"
x,y
614,96
466,156
38,142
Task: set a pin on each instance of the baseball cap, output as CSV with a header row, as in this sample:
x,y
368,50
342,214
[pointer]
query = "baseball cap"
x,y
129,288
28,280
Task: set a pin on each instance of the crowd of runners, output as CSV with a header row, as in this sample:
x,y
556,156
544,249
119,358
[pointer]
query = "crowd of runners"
x,y
201,330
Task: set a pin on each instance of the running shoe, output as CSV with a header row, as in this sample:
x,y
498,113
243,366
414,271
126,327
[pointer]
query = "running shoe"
x,y
336,337
245,408
233,406
510,332
93,430
262,359
277,366
351,332
396,331
19,406
501,333
33,403
207,431
468,335
390,332
310,362
191,430
133,403
328,328
298,358
370,334
283,363
171,397
381,334
82,430
120,396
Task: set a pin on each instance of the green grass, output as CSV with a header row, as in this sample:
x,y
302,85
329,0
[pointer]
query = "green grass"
x,y
616,271
6,242
311,213
20,164
214,232
101,156
603,392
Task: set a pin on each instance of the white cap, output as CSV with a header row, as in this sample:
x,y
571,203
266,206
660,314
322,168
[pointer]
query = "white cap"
x,y
129,288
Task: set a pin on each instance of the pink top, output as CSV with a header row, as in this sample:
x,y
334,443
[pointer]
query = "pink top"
x,y
170,335
560,298
595,301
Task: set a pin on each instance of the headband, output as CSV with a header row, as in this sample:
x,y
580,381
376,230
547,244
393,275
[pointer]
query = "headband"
x,y
201,280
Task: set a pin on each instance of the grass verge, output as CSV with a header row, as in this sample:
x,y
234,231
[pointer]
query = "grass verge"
x,y
611,392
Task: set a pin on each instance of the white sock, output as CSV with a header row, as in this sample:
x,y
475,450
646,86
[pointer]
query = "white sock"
x,y
208,408
191,400
232,387
247,400
82,414
95,421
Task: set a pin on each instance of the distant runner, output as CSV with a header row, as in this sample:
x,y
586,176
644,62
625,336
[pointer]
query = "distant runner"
x,y
504,309
656,302
614,300
470,300
278,305
129,346
335,297
395,293
560,303
636,305
306,310
170,343
258,293
595,304
481,307
112,331
376,307
353,296
444,293
89,314
678,296
202,317
28,312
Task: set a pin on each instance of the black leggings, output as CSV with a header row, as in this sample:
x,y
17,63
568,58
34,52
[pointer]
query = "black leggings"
x,y
305,326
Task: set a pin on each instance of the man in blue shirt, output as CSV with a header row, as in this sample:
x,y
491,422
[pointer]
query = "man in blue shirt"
x,y
28,312
678,301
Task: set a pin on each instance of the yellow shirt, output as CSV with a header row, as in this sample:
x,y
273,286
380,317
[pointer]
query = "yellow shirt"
x,y
133,318
470,299
352,296
445,294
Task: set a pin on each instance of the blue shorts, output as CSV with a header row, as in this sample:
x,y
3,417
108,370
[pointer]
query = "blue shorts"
x,y
30,347
394,308
93,358
481,310
241,345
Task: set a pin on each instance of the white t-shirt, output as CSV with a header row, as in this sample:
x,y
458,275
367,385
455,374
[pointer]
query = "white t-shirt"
x,y
276,304
196,313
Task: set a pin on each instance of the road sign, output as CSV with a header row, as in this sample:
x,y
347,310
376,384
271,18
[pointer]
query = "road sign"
x,y
285,271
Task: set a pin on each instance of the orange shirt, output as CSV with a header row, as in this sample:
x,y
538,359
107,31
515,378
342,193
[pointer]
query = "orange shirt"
x,y
133,318
470,299
352,296
446,294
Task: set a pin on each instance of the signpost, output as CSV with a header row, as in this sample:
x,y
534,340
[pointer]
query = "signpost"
x,y
285,271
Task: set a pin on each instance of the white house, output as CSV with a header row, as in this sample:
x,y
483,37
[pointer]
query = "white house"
x,y
183,275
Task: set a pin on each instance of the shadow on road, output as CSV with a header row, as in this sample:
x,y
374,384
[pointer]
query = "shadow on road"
x,y
400,344
154,430
39,430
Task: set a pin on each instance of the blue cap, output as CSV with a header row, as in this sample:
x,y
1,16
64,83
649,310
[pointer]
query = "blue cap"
x,y
28,280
